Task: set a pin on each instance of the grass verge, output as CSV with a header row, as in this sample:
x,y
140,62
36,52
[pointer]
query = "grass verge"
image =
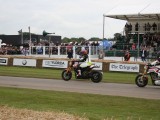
x,y
113,77
93,107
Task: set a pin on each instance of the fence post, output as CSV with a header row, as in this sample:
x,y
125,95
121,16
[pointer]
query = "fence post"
x,y
89,54
58,50
44,49
74,51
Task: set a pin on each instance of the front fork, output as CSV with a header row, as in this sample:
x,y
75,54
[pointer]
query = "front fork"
x,y
144,74
68,69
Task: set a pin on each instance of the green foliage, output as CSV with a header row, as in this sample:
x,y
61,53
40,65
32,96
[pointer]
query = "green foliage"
x,y
66,40
81,39
117,37
94,39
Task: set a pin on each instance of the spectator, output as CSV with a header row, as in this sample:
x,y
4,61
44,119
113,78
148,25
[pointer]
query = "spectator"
x,y
131,40
143,54
150,52
148,26
130,27
127,56
133,46
69,46
145,27
154,26
97,44
136,27
101,55
126,28
70,53
57,43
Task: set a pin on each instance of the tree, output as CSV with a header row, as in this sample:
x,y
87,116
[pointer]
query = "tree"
x,y
117,36
66,40
94,39
75,40
81,39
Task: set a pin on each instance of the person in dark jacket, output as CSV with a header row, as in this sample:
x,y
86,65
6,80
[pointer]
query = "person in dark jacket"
x,y
143,54
70,53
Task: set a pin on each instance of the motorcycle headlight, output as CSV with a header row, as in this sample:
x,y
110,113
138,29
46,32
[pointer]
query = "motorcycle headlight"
x,y
70,63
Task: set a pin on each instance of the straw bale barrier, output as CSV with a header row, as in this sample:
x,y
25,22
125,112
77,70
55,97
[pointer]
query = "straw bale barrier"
x,y
9,113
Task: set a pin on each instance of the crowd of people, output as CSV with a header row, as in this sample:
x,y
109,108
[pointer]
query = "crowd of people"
x,y
149,41
10,50
65,48
146,27
149,44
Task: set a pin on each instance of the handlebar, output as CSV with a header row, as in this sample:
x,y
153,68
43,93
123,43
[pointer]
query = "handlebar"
x,y
150,65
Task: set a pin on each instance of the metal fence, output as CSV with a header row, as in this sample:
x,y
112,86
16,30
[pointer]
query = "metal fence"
x,y
62,50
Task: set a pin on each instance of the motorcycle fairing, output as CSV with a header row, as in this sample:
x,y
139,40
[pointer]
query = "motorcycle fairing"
x,y
86,64
153,69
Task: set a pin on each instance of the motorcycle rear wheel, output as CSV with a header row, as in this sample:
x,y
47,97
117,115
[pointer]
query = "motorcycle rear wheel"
x,y
66,75
141,81
96,76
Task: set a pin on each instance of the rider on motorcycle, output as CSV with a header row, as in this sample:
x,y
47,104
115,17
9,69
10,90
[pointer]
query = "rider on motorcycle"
x,y
157,62
83,58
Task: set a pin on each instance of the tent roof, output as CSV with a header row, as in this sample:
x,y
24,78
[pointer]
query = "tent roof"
x,y
141,12
136,17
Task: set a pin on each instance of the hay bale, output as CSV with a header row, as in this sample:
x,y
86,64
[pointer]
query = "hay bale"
x,y
8,113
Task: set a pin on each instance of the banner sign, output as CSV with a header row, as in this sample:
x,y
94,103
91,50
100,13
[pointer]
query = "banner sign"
x,y
98,66
24,62
124,67
3,61
55,63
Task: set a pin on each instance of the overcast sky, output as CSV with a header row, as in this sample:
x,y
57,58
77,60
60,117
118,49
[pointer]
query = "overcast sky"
x,y
67,18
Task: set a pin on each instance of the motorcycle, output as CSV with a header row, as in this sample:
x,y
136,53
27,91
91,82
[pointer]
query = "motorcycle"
x,y
87,72
142,78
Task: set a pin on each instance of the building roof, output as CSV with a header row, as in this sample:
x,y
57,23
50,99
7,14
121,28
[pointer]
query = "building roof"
x,y
132,13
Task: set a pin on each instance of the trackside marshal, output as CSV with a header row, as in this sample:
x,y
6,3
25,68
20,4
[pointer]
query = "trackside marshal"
x,y
124,67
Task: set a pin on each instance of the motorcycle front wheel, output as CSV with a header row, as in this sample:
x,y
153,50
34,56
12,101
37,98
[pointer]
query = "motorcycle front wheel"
x,y
66,75
96,76
141,81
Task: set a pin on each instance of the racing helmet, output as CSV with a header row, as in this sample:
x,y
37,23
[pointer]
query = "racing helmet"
x,y
84,52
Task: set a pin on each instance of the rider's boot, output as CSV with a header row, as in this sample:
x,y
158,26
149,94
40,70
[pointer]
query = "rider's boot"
x,y
79,73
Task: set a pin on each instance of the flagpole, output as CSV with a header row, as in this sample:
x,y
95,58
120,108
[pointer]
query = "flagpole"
x,y
29,41
21,37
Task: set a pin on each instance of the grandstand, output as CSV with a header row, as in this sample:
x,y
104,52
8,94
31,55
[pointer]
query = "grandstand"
x,y
142,28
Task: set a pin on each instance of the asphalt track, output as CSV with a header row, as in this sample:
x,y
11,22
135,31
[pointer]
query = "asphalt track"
x,y
82,86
